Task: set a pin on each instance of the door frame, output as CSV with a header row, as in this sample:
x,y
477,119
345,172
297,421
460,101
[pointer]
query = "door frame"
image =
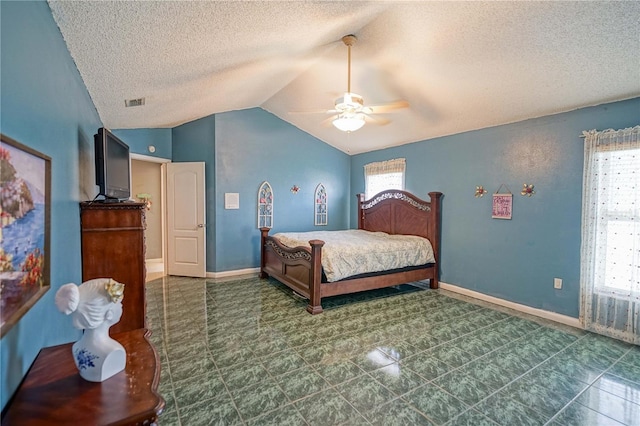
x,y
163,202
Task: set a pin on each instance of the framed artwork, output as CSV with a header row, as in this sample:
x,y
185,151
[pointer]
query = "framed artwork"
x,y
25,214
502,206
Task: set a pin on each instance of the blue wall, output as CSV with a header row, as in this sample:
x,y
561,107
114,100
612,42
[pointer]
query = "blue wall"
x,y
140,139
253,146
516,259
45,106
195,141
241,149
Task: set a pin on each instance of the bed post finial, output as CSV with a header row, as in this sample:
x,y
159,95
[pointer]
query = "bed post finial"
x,y
360,198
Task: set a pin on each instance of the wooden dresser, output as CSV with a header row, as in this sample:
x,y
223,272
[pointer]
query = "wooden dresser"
x,y
113,247
53,393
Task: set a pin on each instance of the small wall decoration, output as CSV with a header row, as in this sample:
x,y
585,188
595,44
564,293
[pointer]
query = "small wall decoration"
x,y
502,204
320,206
231,200
146,199
295,189
480,191
265,205
25,215
527,190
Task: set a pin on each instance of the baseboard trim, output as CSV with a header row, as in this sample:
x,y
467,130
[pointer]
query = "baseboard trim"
x,y
225,274
154,265
553,316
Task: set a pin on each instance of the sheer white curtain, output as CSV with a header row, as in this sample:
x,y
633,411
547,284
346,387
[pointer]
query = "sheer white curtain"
x,y
383,175
610,252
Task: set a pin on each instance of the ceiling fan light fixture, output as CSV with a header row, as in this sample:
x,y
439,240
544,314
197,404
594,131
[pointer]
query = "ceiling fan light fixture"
x,y
348,122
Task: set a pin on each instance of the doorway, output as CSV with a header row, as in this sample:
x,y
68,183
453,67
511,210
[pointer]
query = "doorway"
x,y
148,186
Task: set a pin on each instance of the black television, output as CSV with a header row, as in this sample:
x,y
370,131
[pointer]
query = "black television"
x,y
112,166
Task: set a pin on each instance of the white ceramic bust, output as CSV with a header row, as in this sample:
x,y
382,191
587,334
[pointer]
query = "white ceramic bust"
x,y
95,306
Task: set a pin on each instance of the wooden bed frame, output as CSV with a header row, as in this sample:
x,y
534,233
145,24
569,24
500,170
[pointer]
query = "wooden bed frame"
x,y
392,211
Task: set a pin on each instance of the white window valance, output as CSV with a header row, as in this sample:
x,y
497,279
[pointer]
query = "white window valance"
x,y
396,165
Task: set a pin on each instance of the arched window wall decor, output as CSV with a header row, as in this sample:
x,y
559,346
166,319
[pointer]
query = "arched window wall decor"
x,y
265,205
321,213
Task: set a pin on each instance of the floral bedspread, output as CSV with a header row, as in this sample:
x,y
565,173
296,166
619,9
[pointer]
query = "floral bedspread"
x,y
355,251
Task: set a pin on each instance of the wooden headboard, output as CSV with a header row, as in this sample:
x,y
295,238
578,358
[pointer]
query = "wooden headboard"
x,y
400,212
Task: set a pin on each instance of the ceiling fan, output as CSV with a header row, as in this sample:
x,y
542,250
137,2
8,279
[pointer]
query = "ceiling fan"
x,y
349,112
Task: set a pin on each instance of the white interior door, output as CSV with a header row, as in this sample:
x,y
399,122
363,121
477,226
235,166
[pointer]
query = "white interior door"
x,y
186,245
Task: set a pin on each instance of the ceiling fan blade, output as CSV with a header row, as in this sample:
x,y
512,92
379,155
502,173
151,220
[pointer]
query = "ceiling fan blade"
x,y
376,120
327,121
388,107
316,111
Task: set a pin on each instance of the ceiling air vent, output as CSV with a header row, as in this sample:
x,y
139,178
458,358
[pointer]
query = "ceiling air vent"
x,y
134,102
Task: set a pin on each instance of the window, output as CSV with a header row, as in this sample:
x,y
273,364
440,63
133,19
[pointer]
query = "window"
x,y
610,252
383,175
617,241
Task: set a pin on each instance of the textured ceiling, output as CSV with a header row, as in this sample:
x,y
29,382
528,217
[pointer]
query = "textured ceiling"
x,y
460,65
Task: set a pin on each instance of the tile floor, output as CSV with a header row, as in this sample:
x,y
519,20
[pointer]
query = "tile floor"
x,y
246,352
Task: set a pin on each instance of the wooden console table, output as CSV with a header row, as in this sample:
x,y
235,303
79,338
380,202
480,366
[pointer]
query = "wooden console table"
x,y
54,393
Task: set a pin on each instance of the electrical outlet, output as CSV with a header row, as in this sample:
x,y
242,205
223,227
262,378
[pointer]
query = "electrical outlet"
x,y
557,283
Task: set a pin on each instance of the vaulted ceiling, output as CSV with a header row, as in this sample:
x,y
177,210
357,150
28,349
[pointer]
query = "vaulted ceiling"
x,y
460,65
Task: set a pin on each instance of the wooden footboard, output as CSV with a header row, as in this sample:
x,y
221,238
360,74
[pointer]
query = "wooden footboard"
x,y
299,268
